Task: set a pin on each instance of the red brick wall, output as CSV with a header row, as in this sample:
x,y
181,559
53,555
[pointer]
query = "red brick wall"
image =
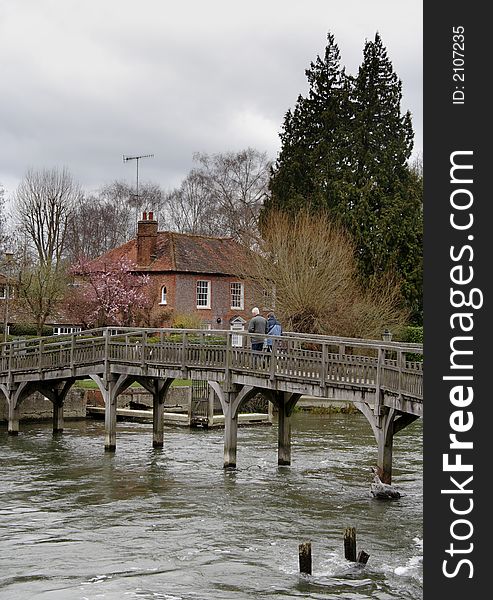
x,y
146,241
182,298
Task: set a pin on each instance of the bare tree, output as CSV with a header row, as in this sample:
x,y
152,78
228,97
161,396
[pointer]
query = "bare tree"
x,y
98,225
416,165
128,207
44,205
4,238
238,183
307,265
45,202
107,219
223,195
191,208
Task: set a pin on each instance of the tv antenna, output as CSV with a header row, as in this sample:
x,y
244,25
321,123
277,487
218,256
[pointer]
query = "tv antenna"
x,y
137,158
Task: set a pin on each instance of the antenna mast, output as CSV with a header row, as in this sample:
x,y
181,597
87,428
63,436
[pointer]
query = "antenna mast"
x,y
137,158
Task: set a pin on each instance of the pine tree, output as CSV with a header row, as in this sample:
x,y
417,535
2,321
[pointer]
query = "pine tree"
x,y
312,138
383,204
345,149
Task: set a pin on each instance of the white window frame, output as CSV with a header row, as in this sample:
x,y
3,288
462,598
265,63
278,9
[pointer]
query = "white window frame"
x,y
64,329
5,289
200,293
234,294
164,291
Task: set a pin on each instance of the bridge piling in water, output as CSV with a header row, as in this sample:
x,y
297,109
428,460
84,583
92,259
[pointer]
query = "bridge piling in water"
x,y
13,425
283,435
285,403
57,417
230,437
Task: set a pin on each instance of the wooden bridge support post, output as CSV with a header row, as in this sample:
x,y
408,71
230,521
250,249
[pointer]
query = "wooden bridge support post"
x,y
283,436
15,393
13,426
385,425
157,422
58,416
230,399
385,441
286,403
160,389
381,419
56,392
110,386
110,405
230,433
210,407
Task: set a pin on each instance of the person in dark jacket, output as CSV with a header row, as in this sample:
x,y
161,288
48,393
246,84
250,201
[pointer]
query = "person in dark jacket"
x,y
274,328
257,324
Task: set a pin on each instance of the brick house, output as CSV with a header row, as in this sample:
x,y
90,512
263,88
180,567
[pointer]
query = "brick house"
x,y
189,274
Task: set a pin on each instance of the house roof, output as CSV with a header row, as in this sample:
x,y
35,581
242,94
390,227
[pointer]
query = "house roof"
x,y
184,253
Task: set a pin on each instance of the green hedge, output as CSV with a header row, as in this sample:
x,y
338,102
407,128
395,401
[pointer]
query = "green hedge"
x,y
28,329
413,334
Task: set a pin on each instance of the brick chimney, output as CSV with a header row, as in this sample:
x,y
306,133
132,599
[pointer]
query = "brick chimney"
x,y
146,239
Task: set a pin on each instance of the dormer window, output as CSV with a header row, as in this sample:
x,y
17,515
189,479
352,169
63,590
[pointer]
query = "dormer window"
x,y
163,295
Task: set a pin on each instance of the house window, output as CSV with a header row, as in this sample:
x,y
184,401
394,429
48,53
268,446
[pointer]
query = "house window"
x,y
3,291
236,289
163,295
62,330
203,294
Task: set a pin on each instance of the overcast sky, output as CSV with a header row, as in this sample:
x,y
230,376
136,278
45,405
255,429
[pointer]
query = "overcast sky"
x,y
84,82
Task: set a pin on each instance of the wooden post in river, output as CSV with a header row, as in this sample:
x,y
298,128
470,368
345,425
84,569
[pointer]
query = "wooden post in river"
x,y
305,557
350,544
350,547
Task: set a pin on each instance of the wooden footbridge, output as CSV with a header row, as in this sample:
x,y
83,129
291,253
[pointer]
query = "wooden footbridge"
x,y
384,380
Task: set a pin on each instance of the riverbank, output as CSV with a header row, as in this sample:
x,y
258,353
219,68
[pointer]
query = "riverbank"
x,y
82,403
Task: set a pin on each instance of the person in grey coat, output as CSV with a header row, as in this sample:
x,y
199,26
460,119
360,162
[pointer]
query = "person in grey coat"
x,y
257,324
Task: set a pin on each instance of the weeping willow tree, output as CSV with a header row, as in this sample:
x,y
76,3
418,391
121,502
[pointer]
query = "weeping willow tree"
x,y
307,264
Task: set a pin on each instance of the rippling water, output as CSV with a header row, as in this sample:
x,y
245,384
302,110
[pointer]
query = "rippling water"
x,y
171,524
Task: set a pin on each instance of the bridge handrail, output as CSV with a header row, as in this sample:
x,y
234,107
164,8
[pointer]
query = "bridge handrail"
x,y
138,331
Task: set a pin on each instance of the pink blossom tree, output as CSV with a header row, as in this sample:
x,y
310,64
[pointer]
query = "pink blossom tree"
x,y
108,294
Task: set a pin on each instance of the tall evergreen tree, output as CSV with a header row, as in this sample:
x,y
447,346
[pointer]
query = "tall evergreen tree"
x,y
383,204
345,149
313,139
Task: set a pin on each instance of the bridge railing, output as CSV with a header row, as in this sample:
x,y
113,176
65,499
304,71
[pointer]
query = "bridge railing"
x,y
314,358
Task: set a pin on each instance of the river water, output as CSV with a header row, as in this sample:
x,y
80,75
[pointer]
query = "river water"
x,y
171,524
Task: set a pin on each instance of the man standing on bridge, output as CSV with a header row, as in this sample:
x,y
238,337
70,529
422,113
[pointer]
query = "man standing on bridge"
x,y
257,324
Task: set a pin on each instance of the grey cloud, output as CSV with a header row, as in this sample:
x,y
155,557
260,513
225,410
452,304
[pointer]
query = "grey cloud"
x,y
92,81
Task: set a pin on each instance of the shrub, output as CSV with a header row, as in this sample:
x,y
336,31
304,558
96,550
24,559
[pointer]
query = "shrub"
x,y
413,334
187,321
19,329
